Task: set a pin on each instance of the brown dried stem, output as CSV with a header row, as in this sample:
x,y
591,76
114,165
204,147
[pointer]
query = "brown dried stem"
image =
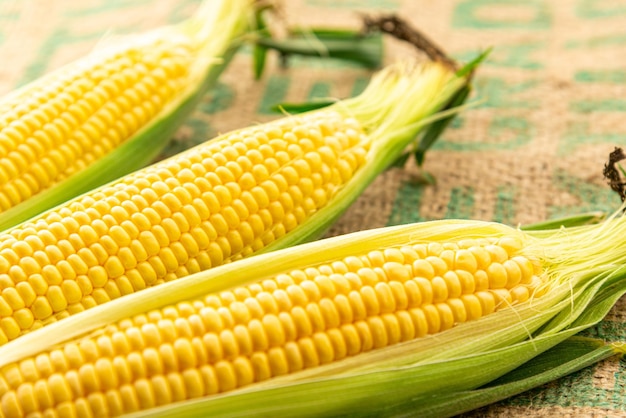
x,y
612,174
401,29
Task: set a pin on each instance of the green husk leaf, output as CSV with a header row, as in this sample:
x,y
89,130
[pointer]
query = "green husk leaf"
x,y
435,130
325,33
587,218
563,353
470,67
365,50
295,108
428,178
218,27
569,356
259,52
401,160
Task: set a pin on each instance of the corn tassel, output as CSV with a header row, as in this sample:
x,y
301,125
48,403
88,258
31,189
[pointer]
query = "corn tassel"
x,y
399,311
253,190
111,112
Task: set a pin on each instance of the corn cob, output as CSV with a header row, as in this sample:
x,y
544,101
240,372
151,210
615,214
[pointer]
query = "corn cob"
x,y
83,125
300,313
286,323
256,189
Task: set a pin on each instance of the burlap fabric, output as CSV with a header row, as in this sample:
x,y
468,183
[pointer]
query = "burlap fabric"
x,y
552,109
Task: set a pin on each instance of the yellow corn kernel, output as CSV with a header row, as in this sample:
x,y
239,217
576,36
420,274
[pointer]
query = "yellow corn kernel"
x,y
511,245
520,294
497,275
465,260
482,256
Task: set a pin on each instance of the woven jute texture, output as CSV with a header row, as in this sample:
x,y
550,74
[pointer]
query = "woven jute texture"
x,y
551,102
